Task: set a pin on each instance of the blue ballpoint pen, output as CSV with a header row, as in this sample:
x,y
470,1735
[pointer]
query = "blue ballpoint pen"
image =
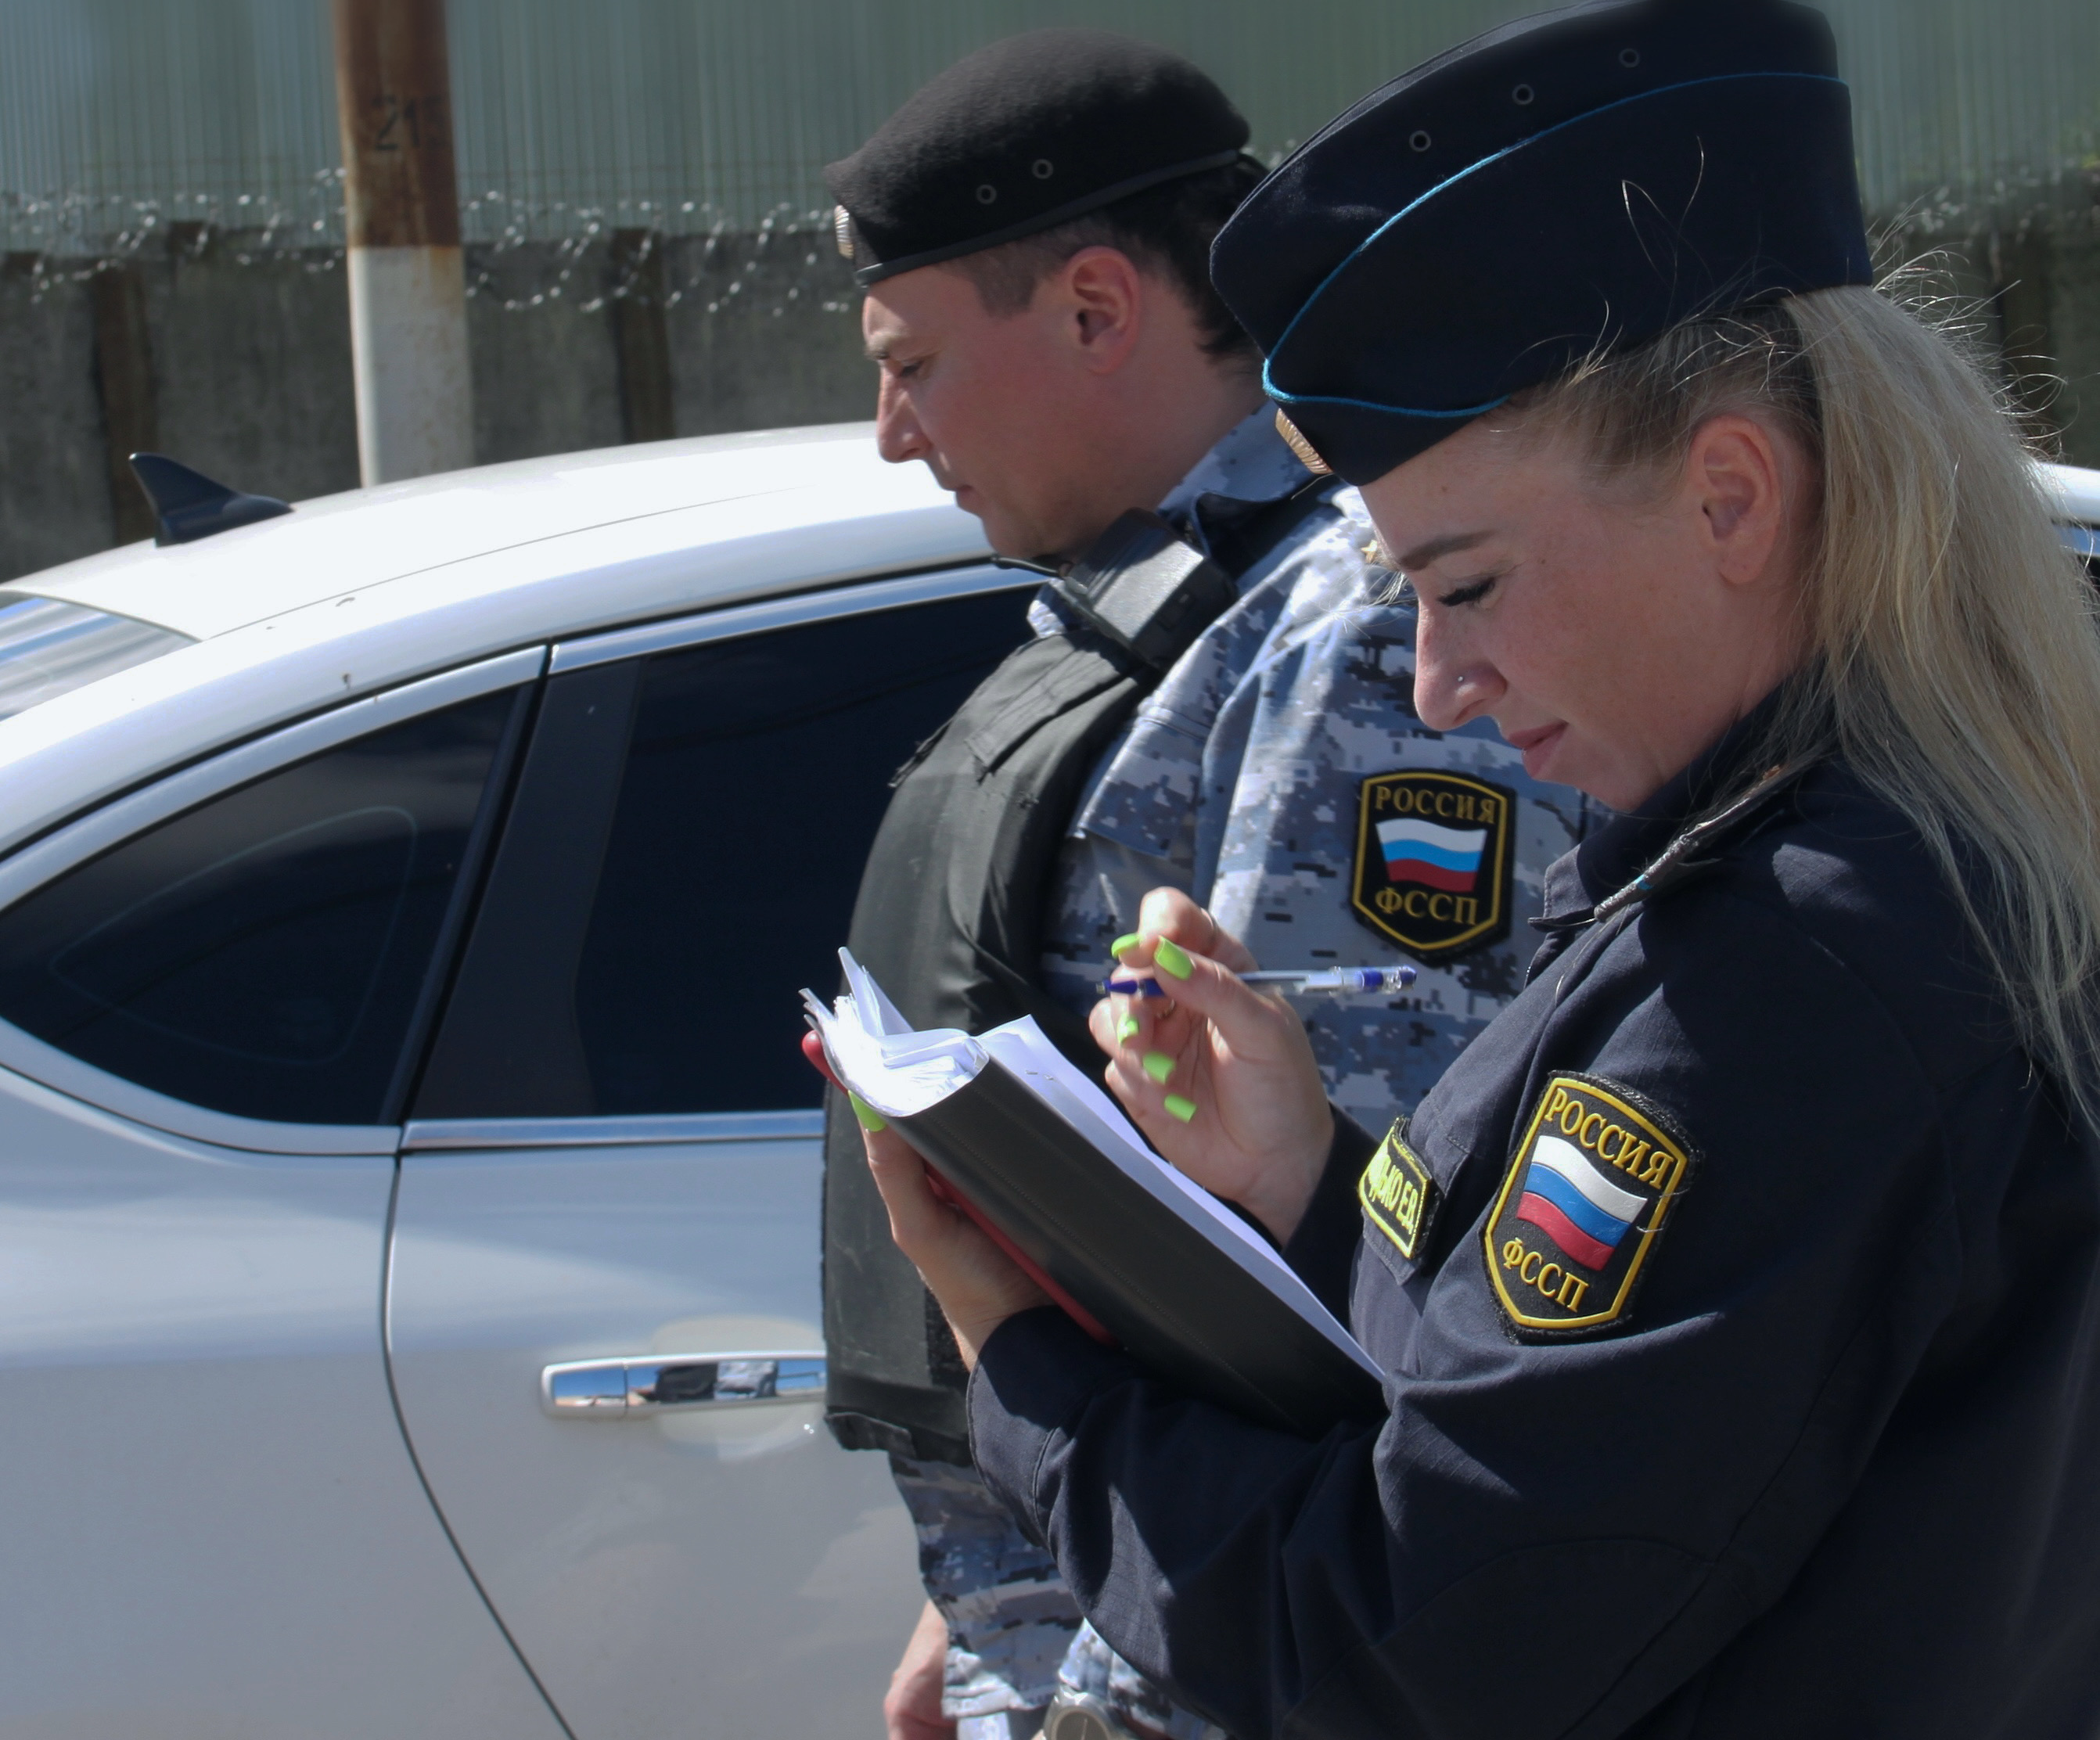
x,y
1300,981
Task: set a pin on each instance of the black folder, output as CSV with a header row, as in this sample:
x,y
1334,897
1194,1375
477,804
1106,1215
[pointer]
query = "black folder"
x,y
1168,1272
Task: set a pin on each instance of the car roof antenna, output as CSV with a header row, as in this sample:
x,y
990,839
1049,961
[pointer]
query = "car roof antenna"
x,y
187,505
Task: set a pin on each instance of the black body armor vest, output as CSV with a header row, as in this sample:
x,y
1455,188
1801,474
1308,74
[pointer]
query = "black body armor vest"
x,y
949,916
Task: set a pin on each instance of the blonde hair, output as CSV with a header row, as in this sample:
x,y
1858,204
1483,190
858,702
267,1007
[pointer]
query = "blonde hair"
x,y
1954,657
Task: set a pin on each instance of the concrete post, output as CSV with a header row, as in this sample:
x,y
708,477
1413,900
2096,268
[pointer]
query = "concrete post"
x,y
124,382
641,336
408,286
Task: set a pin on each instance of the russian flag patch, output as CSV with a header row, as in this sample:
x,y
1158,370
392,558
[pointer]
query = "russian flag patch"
x,y
1435,861
1590,1187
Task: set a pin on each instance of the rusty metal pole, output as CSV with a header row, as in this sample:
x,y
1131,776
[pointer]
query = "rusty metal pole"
x,y
408,286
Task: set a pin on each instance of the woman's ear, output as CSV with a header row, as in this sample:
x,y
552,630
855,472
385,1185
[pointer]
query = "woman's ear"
x,y
1102,294
1736,477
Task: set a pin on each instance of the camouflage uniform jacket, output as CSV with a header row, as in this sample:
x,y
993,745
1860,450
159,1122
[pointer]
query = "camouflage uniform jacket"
x,y
1242,779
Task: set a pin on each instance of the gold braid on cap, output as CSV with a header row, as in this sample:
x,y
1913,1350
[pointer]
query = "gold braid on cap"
x,y
842,230
1309,456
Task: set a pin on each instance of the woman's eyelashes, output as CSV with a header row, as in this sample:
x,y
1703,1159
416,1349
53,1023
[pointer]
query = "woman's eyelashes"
x,y
1402,589
1472,592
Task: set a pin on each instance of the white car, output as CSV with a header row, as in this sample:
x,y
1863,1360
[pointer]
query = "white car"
x,y
410,1316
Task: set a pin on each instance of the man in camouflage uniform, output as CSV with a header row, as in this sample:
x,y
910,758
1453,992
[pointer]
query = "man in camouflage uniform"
x,y
1276,774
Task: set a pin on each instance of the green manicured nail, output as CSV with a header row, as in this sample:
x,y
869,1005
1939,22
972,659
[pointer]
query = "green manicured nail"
x,y
1126,1028
1159,1066
870,1118
1122,943
1172,957
1177,1107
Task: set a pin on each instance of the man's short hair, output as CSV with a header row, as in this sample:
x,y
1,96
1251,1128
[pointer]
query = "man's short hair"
x,y
1167,230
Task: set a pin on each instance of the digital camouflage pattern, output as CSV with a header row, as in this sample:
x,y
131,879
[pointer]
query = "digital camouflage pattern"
x,y
1239,780
1010,1618
1092,1666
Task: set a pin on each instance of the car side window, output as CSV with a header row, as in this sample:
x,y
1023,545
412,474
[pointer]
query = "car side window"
x,y
683,856
266,954
757,774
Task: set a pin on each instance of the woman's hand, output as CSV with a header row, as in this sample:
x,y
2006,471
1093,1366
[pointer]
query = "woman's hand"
x,y
977,1284
1218,1075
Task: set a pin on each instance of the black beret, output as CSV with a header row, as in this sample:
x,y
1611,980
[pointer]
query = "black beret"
x,y
1575,183
1032,131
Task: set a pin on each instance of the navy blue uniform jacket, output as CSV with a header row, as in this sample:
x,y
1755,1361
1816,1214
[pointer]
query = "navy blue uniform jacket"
x,y
1788,1427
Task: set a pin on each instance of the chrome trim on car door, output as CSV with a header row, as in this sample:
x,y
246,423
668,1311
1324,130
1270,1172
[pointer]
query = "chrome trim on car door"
x,y
780,613
25,1055
437,1134
663,1383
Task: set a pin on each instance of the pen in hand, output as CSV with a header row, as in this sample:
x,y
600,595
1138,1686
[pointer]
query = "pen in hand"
x,y
1302,981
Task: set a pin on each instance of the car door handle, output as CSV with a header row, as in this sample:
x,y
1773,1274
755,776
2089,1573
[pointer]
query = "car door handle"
x,y
656,1383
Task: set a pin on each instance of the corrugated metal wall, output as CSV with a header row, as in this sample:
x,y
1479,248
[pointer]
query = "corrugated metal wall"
x,y
113,112
687,114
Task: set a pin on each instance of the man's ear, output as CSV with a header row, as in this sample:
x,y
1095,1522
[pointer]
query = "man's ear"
x,y
1100,301
1737,476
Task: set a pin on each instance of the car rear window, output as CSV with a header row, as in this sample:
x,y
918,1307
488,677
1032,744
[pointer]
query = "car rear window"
x,y
48,648
270,953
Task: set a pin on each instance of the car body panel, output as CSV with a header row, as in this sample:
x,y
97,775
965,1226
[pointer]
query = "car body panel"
x,y
339,544
786,1561
527,1242
214,1525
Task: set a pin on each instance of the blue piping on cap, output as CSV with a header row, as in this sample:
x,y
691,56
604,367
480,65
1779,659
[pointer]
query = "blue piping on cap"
x,y
1267,379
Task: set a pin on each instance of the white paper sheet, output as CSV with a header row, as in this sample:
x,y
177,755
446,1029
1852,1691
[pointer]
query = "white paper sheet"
x,y
900,1071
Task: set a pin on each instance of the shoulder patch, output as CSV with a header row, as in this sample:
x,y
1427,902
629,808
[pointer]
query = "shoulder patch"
x,y
1590,1186
1399,1197
1435,861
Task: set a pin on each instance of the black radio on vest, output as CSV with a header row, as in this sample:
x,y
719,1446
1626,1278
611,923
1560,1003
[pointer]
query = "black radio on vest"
x,y
949,916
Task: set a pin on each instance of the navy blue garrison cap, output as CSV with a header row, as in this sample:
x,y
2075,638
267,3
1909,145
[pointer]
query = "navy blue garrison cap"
x,y
1576,182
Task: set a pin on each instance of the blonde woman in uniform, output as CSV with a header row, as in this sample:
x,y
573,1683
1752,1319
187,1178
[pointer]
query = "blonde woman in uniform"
x,y
1741,1360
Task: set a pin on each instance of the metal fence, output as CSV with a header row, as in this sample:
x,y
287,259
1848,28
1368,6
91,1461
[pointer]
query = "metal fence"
x,y
119,118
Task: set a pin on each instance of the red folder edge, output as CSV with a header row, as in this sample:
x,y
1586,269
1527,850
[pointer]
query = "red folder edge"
x,y
813,1049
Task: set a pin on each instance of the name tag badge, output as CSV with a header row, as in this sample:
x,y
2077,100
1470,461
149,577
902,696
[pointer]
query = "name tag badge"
x,y
1399,1198
1587,1196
